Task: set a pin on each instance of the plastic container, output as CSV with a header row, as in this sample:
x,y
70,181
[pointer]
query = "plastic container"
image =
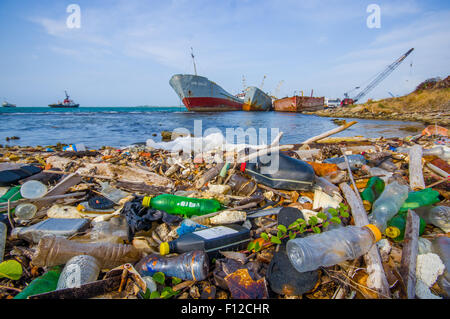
x,y
397,225
231,237
33,190
12,194
331,247
187,206
45,283
388,204
79,270
438,216
441,247
424,197
25,211
374,188
58,226
193,265
53,251
3,234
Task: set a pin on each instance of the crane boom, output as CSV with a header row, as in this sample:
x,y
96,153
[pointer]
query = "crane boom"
x,y
382,76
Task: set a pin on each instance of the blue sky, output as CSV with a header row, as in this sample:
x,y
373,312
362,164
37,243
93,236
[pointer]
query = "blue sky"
x,y
126,50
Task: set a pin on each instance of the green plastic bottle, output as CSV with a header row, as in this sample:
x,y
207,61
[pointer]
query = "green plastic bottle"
x,y
187,206
45,283
373,190
396,227
13,194
424,197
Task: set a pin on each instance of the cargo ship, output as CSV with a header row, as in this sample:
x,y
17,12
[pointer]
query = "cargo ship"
x,y
202,95
256,100
299,104
67,103
7,104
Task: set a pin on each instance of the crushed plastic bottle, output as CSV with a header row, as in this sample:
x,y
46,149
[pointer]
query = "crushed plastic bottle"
x,y
192,265
78,271
33,190
397,225
331,247
45,283
374,188
438,216
3,233
187,206
421,198
388,204
25,211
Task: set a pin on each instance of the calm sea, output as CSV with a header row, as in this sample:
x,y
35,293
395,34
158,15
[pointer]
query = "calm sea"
x,y
122,126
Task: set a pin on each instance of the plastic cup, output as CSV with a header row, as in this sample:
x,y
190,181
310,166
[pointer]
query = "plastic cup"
x,y
25,211
33,190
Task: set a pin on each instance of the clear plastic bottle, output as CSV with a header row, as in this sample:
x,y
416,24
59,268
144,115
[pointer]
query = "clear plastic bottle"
x,y
79,270
33,190
441,247
438,216
25,211
331,247
3,232
388,204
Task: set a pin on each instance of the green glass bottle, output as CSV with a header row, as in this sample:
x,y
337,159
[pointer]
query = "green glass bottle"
x,y
397,224
373,190
45,283
187,206
424,197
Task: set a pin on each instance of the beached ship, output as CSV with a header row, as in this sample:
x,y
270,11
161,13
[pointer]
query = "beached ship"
x,y
202,95
67,103
256,100
7,104
299,104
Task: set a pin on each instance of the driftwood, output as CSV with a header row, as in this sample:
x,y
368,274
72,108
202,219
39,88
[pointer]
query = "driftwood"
x,y
328,133
61,188
46,198
377,277
209,175
416,180
409,253
142,188
439,171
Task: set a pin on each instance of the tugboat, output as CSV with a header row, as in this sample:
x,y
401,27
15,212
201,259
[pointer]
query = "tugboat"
x,y
6,104
65,104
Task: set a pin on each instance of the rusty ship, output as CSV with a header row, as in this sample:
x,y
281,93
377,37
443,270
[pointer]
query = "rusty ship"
x,y
256,100
299,104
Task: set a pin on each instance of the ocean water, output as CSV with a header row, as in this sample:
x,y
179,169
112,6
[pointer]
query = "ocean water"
x,y
122,126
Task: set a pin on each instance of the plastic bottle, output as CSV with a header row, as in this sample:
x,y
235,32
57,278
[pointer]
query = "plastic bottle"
x,y
25,211
331,247
58,226
211,240
439,151
397,225
79,270
182,205
53,250
12,194
33,190
424,197
388,204
438,216
3,233
192,265
45,283
373,190
441,247
376,171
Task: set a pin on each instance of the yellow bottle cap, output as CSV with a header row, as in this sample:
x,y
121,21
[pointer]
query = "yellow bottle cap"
x,y
164,248
376,232
146,201
367,205
392,232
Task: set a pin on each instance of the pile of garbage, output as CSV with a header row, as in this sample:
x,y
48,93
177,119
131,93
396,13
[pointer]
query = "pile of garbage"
x,y
339,218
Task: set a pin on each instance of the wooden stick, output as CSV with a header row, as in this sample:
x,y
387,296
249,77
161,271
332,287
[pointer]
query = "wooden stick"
x,y
409,253
328,133
416,180
264,152
61,188
56,197
377,277
439,171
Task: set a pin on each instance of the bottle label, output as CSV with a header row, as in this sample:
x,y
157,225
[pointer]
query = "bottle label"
x,y
215,232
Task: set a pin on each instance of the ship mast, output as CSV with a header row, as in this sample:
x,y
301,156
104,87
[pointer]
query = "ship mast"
x,y
193,60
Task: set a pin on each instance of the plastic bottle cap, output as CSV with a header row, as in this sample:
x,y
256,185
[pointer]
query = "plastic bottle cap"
x,y
367,205
146,201
376,232
392,232
164,248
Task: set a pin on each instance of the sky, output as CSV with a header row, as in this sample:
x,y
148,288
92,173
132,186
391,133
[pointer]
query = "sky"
x,y
125,51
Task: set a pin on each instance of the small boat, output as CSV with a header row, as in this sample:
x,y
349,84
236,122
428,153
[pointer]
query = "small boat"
x,y
202,95
6,104
67,103
256,100
299,104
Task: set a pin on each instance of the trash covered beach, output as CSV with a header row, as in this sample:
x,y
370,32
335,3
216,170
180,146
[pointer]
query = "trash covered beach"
x,y
195,218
